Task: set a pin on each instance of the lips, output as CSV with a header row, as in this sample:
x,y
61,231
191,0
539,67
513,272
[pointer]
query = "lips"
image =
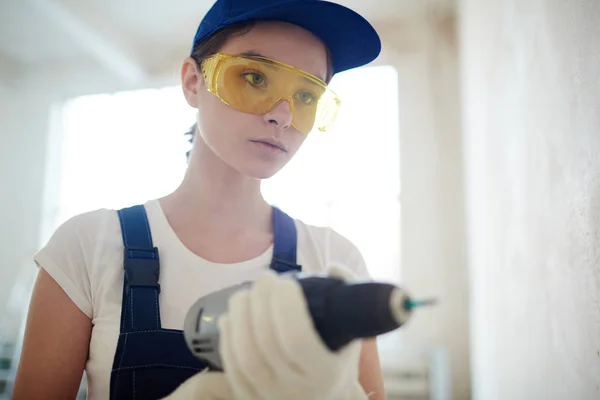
x,y
271,143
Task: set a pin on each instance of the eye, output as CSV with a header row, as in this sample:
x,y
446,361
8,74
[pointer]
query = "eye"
x,y
307,98
255,78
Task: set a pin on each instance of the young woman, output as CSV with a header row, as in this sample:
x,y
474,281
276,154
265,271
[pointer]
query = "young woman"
x,y
103,302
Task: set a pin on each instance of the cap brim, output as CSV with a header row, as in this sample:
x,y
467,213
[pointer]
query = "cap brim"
x,y
352,40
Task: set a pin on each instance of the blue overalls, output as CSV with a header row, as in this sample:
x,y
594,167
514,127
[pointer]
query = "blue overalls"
x,y
150,362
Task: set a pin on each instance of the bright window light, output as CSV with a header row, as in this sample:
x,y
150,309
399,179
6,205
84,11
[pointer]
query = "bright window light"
x,y
125,148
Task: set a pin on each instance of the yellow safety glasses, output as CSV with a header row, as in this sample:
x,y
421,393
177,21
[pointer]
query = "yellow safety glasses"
x,y
257,84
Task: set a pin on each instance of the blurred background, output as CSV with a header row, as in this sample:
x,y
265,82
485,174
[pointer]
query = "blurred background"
x,y
465,166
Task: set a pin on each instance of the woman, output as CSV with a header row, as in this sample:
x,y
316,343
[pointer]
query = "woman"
x,y
257,76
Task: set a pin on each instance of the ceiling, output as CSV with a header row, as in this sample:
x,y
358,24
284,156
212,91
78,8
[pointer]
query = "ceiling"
x,y
131,39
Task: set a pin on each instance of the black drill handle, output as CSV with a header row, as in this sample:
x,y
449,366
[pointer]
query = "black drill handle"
x,y
343,312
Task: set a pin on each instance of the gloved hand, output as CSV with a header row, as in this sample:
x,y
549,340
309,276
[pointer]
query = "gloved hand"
x,y
344,273
205,386
270,349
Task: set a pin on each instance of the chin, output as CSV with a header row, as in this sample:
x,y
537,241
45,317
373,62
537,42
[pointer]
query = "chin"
x,y
261,170
261,173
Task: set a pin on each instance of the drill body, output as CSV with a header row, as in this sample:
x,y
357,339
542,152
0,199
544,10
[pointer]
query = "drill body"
x,y
340,311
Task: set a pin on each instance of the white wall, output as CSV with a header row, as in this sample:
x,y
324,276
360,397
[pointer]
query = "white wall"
x,y
434,261
23,138
532,124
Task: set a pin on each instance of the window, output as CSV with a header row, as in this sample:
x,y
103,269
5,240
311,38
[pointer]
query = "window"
x,y
121,149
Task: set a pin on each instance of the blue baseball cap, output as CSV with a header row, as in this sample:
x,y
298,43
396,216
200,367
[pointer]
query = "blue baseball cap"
x,y
351,39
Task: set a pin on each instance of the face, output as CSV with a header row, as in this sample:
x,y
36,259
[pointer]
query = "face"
x,y
239,139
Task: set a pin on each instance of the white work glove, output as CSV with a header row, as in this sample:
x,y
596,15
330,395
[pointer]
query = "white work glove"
x,y
270,349
344,273
203,386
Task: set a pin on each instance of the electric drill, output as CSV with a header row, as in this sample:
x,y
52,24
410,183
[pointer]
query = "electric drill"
x,y
341,312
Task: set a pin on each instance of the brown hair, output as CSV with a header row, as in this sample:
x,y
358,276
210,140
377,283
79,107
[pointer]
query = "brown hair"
x,y
215,42
209,47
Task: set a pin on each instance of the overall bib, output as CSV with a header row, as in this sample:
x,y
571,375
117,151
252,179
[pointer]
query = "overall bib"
x,y
150,362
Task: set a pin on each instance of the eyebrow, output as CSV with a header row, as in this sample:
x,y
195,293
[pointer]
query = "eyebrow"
x,y
254,53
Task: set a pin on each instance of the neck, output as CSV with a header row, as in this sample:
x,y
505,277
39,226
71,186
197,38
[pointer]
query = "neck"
x,y
215,197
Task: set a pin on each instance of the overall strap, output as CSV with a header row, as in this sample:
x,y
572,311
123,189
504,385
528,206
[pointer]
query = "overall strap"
x,y
285,239
140,310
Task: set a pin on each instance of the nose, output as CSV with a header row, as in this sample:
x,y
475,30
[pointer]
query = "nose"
x,y
280,115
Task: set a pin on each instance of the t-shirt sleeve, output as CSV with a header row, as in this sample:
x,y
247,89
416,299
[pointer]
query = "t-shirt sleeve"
x,y
66,258
345,253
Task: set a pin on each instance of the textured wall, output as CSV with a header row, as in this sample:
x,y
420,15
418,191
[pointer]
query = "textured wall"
x,y
23,136
433,249
531,73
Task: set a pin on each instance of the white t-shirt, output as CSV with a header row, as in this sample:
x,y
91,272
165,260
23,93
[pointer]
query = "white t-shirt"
x,y
85,257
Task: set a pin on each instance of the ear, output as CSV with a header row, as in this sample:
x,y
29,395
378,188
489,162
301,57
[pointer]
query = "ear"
x,y
191,81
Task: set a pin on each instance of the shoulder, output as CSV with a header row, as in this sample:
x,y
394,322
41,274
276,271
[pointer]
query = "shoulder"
x,y
88,223
79,239
71,253
321,247
86,230
324,238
